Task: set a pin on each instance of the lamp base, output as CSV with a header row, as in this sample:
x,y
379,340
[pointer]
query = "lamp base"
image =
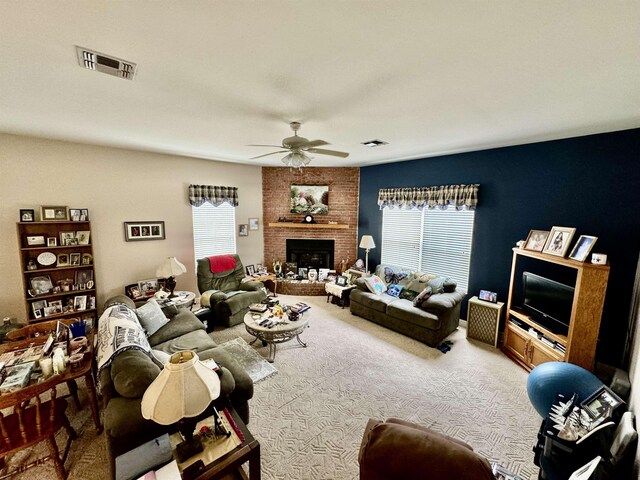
x,y
188,448
171,285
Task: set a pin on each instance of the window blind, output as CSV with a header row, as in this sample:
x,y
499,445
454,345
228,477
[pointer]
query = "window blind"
x,y
214,230
429,240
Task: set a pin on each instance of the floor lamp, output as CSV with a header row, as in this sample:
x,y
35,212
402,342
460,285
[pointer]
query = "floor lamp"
x,y
367,243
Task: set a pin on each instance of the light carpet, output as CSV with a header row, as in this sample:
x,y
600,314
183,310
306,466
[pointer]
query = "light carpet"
x,y
257,367
309,418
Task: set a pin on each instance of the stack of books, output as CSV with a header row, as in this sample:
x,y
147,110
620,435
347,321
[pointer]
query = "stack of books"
x,y
258,307
300,307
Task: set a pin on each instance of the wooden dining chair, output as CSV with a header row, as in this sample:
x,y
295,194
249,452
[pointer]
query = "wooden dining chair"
x,y
36,418
41,330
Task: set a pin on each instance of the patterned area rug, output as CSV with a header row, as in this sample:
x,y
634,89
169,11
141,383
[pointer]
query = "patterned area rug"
x,y
256,366
309,418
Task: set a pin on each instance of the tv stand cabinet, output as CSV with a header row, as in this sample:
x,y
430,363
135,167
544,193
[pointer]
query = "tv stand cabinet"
x,y
523,336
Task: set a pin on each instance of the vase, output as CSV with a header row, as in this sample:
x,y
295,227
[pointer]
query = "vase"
x,y
312,274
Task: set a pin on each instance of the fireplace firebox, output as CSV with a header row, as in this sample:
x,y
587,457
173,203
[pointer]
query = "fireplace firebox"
x,y
310,253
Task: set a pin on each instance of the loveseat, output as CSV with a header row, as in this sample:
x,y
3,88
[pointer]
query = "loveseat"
x,y
430,320
124,380
224,291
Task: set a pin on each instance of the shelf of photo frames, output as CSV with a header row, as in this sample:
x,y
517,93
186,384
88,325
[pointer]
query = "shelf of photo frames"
x,y
567,262
334,226
64,242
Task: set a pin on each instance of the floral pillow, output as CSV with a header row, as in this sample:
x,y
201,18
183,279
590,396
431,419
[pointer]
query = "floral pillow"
x,y
375,284
391,277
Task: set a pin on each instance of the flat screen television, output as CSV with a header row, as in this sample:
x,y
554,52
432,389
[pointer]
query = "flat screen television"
x,y
548,302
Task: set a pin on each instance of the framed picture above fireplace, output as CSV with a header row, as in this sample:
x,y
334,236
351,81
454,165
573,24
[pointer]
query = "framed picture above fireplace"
x,y
310,199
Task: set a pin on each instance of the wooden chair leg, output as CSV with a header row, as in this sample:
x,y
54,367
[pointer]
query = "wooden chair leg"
x,y
67,426
55,457
73,390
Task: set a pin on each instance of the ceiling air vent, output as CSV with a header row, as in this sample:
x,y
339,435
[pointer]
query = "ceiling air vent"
x,y
100,62
374,143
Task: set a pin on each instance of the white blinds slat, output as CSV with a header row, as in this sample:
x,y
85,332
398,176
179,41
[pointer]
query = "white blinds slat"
x,y
214,230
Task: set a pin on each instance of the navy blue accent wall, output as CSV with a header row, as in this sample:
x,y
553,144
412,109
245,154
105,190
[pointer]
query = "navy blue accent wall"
x,y
591,183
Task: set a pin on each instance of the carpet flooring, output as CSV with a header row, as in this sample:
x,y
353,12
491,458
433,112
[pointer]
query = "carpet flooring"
x,y
310,416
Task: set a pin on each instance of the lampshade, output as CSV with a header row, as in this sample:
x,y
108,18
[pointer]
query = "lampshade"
x,y
171,267
367,242
184,389
296,159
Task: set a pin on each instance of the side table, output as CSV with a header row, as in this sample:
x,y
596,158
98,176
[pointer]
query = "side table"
x,y
269,282
338,294
183,298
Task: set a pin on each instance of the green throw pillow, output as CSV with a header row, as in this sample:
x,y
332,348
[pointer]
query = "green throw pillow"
x,y
408,294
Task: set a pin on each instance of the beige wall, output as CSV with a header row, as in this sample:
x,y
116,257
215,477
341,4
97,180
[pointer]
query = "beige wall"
x,y
116,185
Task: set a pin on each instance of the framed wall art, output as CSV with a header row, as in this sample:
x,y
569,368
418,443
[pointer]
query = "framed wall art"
x,y
79,214
582,248
243,230
136,231
310,199
253,224
27,215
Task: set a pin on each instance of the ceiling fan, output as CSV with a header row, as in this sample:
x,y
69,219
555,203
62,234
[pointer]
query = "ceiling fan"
x,y
298,147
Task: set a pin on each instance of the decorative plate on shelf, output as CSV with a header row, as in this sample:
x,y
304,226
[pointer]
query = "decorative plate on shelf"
x,y
47,258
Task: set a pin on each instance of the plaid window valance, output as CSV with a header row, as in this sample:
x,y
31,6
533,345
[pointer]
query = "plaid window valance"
x,y
215,195
430,197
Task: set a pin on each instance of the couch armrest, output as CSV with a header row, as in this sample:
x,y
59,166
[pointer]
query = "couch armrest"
x,y
211,297
443,301
251,286
395,450
361,285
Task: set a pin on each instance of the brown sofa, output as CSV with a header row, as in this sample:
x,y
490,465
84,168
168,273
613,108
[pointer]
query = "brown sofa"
x,y
400,449
434,320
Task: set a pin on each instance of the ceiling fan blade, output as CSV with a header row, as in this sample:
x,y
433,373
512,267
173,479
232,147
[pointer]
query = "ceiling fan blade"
x,y
267,154
315,143
322,151
272,146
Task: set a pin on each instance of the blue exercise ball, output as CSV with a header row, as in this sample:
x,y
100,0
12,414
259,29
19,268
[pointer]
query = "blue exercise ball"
x,y
551,378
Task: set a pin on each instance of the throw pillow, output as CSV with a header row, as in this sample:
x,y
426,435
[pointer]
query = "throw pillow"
x,y
392,277
408,294
132,371
375,284
394,290
151,317
422,296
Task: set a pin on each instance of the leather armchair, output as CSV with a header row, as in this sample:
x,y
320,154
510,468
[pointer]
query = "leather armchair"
x,y
228,297
399,449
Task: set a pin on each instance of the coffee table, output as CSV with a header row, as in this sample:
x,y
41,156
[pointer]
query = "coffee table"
x,y
284,331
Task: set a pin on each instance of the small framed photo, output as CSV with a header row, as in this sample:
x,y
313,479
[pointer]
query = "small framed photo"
x,y
137,231
78,214
87,259
251,270
53,214
341,281
37,314
353,275
35,240
27,215
243,230
38,305
80,302
559,241
66,237
49,311
83,237
83,276
52,242
291,267
41,284
253,224
75,259
582,248
488,296
536,240
303,272
602,403
63,260
148,287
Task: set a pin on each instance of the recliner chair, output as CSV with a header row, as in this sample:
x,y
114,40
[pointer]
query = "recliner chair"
x,y
224,292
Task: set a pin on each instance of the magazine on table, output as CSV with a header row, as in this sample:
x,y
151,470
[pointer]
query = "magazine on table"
x,y
501,473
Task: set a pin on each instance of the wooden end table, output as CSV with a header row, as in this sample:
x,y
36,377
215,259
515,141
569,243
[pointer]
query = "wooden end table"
x,y
338,294
269,282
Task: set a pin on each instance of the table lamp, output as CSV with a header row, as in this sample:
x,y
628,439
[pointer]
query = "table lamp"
x,y
183,390
367,242
170,269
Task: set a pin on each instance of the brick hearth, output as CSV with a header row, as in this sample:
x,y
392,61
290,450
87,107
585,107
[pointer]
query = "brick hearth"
x,y
344,189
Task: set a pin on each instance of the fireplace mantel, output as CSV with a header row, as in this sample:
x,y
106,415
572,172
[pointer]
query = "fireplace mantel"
x,y
334,226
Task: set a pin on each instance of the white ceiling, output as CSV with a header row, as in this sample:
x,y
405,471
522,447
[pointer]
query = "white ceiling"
x,y
429,77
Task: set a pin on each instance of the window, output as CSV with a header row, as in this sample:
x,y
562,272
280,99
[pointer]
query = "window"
x,y
429,240
214,230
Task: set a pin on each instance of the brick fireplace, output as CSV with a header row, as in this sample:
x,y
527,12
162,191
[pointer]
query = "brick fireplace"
x,y
344,189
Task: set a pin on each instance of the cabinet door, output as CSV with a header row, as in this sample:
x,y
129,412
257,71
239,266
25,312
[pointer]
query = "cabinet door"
x,y
516,342
540,354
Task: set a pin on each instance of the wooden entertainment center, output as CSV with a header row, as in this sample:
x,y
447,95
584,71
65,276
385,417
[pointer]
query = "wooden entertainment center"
x,y
528,349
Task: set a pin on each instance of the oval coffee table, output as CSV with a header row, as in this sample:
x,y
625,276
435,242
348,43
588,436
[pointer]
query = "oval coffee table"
x,y
284,331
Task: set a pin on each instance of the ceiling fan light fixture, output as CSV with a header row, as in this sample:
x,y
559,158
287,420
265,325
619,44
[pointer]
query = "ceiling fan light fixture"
x,y
375,143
